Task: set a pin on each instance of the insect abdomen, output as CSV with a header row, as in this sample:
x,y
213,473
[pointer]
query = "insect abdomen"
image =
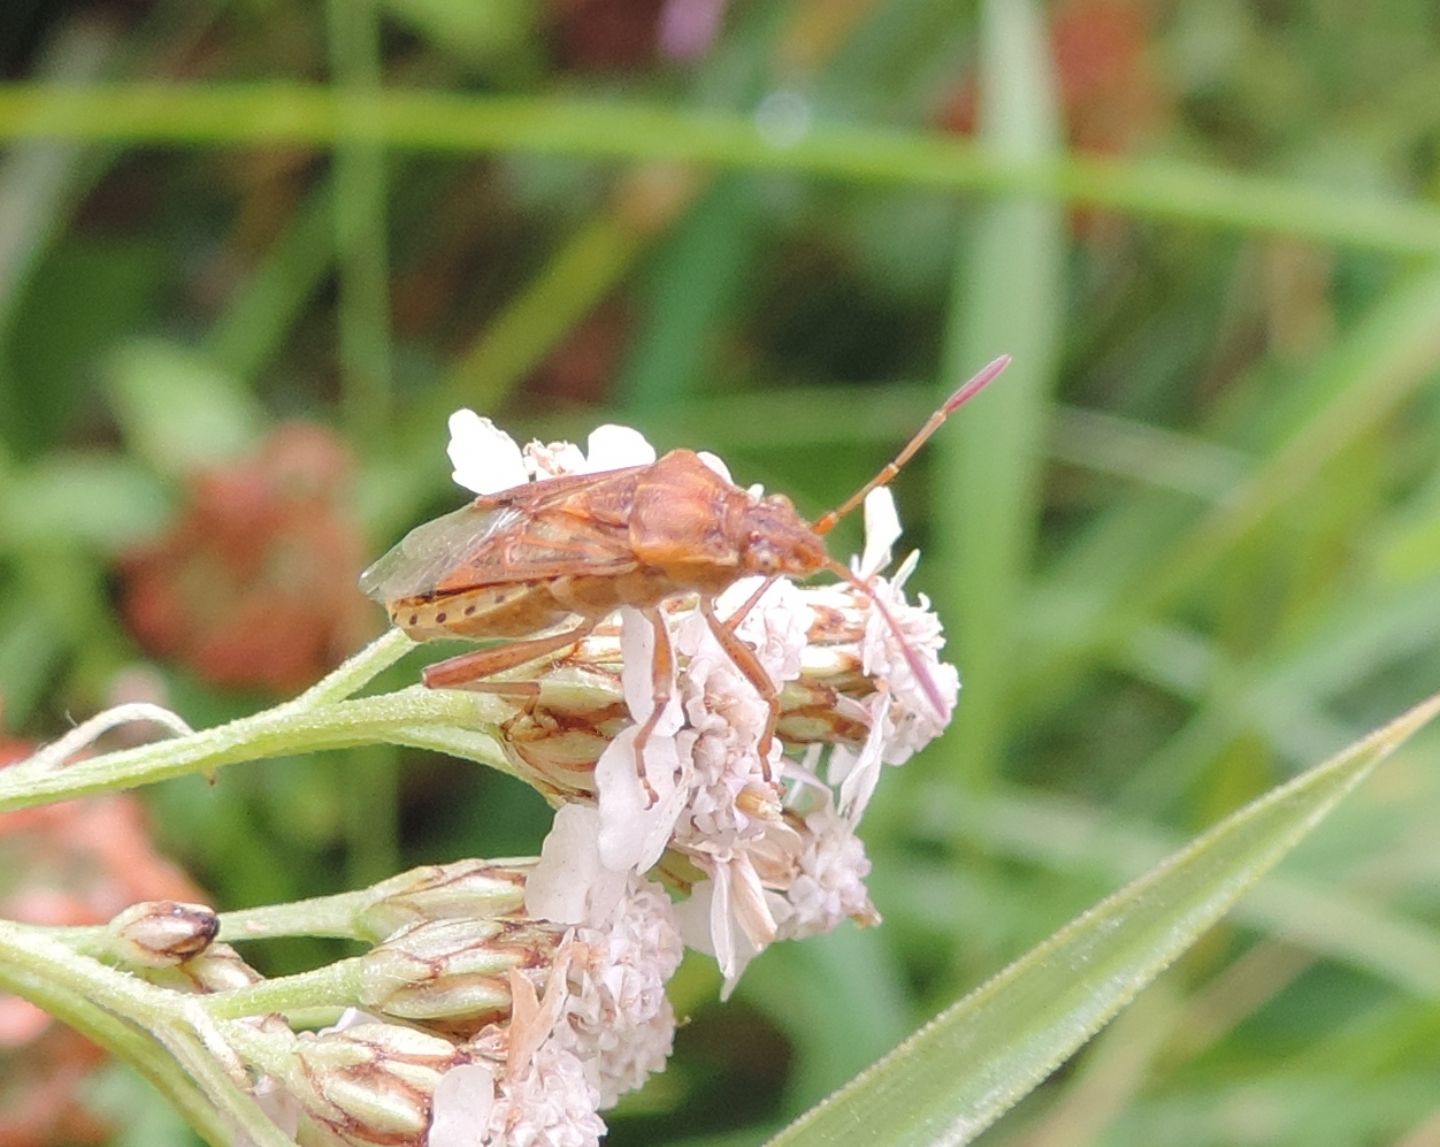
x,y
517,609
595,595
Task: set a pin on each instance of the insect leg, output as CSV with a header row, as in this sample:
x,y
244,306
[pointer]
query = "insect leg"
x,y
662,678
746,661
732,623
468,668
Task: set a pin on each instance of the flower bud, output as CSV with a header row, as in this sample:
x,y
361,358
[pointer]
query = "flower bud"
x,y
161,933
556,742
453,973
219,969
368,1085
468,889
833,660
814,710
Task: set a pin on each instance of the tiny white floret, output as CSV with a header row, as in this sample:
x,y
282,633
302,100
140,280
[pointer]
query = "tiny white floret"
x,y
485,458
612,447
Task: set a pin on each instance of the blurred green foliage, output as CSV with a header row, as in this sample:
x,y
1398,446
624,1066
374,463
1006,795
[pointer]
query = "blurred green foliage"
x,y
1189,544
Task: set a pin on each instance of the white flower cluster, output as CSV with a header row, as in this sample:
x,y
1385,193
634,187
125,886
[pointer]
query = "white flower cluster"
x,y
772,838
601,1028
775,842
587,1020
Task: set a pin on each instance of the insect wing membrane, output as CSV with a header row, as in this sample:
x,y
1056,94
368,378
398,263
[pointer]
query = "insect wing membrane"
x,y
422,558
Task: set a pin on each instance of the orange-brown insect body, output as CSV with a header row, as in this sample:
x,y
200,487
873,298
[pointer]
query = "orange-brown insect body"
x,y
524,560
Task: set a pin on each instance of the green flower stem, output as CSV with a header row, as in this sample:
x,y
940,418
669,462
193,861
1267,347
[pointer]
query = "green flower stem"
x,y
237,1107
358,671
329,986
332,916
281,114
271,1054
27,784
149,1027
138,1048
416,715
313,1018
468,744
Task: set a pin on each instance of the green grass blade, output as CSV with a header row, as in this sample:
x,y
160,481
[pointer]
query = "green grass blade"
x,y
1008,295
40,183
1367,375
1299,907
957,1075
283,113
361,232
584,270
692,284
250,334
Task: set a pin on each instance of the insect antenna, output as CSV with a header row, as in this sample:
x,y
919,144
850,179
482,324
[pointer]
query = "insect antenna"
x,y
912,659
826,523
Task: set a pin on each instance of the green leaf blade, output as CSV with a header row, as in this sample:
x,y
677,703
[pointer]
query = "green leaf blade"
x,y
958,1074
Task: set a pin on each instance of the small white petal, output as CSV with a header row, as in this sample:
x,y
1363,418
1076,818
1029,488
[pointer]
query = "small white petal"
x,y
616,1018
722,931
349,1018
692,916
550,1105
862,773
777,627
553,459
614,447
279,1104
570,884
635,826
716,465
829,884
907,567
485,458
464,1098
732,947
882,530
913,719
752,912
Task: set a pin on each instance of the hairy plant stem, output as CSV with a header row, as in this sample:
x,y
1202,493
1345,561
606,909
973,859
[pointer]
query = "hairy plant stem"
x,y
332,916
321,718
329,986
154,1029
187,1045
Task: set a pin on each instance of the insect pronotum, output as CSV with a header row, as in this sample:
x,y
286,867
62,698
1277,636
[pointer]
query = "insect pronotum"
x,y
569,551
